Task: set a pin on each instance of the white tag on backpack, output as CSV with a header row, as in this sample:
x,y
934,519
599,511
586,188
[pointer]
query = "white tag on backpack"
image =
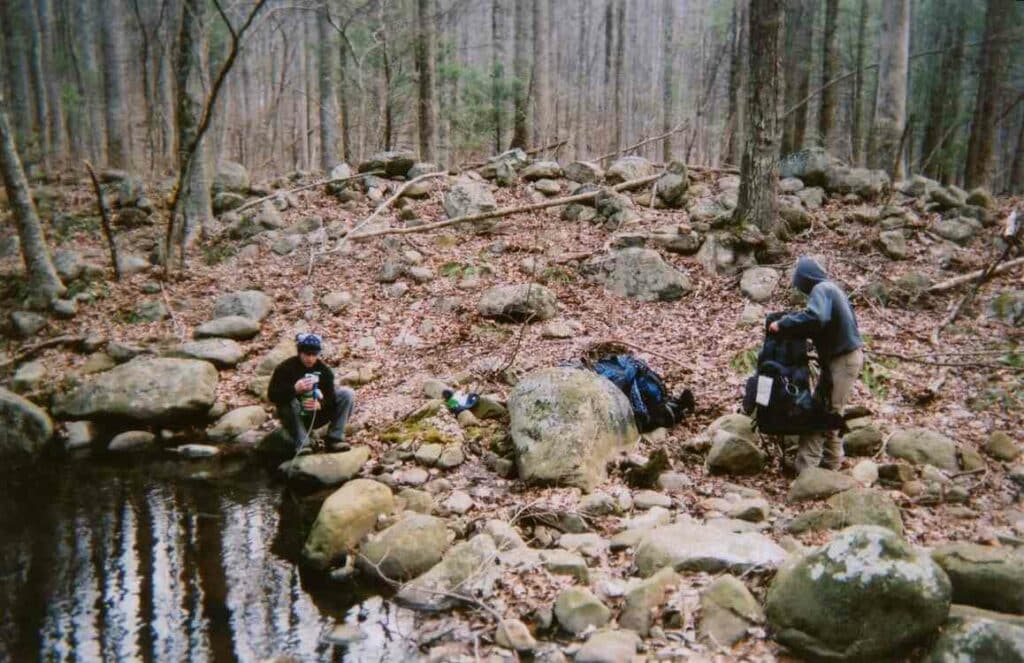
x,y
764,390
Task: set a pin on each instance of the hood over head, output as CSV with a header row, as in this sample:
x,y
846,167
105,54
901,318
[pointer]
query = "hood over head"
x,y
808,274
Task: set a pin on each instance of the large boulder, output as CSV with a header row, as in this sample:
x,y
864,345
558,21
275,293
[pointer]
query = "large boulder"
x,y
221,352
728,612
566,424
577,609
518,303
147,389
960,230
468,197
868,184
408,548
541,170
394,163
251,304
231,176
978,639
809,166
639,274
331,469
758,283
236,327
236,422
922,446
983,576
345,517
866,595
24,427
629,168
584,172
734,451
469,569
672,186
690,546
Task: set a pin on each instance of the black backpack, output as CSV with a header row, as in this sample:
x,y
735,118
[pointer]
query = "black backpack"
x,y
792,407
653,405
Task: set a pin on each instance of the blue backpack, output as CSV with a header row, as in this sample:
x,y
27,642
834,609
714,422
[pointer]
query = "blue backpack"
x,y
653,405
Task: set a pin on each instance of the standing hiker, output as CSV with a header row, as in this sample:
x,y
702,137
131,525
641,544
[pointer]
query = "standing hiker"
x,y
830,323
303,390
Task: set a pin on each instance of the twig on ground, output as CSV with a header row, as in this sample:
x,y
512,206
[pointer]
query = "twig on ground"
x,y
639,348
329,180
42,345
105,221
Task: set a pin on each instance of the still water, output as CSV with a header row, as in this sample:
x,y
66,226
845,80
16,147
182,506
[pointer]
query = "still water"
x,y
167,561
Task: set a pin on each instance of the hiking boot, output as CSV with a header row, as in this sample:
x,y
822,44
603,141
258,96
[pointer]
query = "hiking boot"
x,y
337,445
304,447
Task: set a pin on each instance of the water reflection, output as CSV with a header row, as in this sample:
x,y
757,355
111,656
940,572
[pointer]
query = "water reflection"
x,y
117,564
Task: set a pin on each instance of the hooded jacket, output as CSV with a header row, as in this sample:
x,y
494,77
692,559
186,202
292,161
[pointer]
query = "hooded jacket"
x,y
828,320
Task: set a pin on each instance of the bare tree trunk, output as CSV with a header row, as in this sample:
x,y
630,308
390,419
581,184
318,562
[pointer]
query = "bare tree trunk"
x,y
991,67
857,121
425,68
118,128
829,70
759,172
541,74
15,40
578,129
667,75
944,104
43,282
327,63
1017,168
56,129
736,128
799,30
521,128
39,78
346,109
891,98
620,56
190,69
498,72
389,114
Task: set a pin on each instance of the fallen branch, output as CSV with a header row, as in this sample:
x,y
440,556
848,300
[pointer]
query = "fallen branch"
x,y
639,348
105,221
32,350
645,141
950,284
498,213
529,152
387,203
335,180
932,362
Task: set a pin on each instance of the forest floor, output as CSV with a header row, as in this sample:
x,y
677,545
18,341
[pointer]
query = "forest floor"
x,y
418,336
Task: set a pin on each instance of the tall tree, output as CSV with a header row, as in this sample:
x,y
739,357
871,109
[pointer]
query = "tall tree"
x,y
857,119
520,123
667,75
118,127
498,72
43,282
56,127
42,119
13,23
190,69
991,66
944,100
326,66
542,118
425,69
736,127
620,57
759,171
1017,166
798,30
891,98
829,70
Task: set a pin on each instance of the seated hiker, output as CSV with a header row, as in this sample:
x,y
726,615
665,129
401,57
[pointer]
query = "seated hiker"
x,y
830,323
303,390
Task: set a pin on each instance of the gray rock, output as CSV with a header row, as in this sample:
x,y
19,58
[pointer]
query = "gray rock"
x,y
576,609
809,166
759,283
645,598
150,311
590,544
235,327
467,197
893,244
458,503
816,483
159,390
615,208
27,323
868,184
130,264
960,230
236,422
513,634
283,246
597,504
221,352
395,163
29,377
194,451
865,595
1001,447
864,441
922,446
79,434
947,197
133,440
629,168
983,576
917,186
69,264
64,308
541,170
25,428
865,472
646,499
1007,307
609,646
408,548
413,476
231,176
566,424
518,303
505,174
728,612
548,187
336,302
812,197
251,304
453,455
639,274
693,547
468,568
861,506
975,639
752,316
734,454
673,185
790,185
584,172
565,563
345,517
225,201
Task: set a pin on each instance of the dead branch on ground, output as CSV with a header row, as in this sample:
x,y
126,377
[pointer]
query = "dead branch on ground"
x,y
105,221
324,182
32,350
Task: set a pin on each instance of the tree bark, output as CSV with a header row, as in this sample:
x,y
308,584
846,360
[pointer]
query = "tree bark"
x,y
39,79
991,66
521,124
498,72
620,56
348,149
891,98
15,41
799,30
425,68
736,130
542,112
118,128
944,104
1017,167
857,119
829,69
759,172
43,282
56,128
667,75
326,66
190,67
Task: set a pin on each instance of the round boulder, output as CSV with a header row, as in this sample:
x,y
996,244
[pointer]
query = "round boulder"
x,y
345,517
640,274
24,427
758,283
408,548
867,595
518,303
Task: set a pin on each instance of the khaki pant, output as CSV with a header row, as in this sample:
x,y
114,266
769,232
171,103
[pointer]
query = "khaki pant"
x,y
826,448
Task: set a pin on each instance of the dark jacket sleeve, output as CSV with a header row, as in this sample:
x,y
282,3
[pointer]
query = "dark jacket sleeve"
x,y
327,388
812,319
281,389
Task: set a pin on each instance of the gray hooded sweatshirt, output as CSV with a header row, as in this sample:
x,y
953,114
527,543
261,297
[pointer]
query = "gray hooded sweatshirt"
x,y
828,320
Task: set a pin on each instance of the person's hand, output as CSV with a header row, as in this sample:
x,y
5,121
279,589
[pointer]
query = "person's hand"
x,y
304,385
310,404
773,328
